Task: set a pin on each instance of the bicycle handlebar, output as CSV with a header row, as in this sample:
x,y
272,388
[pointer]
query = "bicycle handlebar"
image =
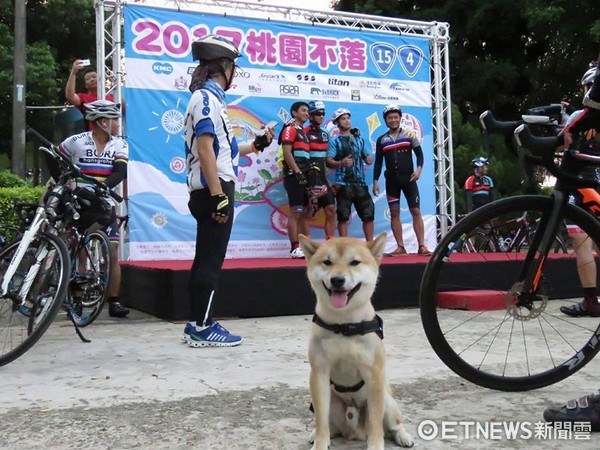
x,y
491,125
541,151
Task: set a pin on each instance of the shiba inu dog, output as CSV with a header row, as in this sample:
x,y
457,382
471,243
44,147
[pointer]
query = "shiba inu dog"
x,y
350,394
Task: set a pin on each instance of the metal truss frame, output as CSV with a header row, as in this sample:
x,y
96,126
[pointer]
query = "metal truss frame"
x,y
109,53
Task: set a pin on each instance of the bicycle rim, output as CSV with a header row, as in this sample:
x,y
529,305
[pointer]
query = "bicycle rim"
x,y
93,268
486,333
22,324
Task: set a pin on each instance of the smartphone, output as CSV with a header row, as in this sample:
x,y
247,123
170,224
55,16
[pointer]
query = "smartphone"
x,y
85,62
261,132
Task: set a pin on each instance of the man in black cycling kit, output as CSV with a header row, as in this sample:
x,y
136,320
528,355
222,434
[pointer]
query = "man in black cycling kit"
x,y
587,408
396,147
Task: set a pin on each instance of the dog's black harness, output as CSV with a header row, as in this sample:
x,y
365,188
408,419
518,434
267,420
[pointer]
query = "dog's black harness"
x,y
353,329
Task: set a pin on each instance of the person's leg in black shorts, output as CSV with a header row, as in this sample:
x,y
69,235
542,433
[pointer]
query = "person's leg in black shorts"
x,y
297,215
392,189
327,202
411,193
344,204
365,209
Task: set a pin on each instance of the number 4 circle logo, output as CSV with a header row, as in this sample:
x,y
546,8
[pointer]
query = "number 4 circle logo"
x,y
410,58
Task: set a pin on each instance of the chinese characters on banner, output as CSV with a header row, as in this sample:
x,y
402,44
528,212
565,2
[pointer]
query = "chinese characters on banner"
x,y
281,63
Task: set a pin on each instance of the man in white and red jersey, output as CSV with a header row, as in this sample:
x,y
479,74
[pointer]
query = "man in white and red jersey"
x,y
101,154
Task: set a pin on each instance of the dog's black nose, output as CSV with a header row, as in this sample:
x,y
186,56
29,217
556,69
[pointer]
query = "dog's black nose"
x,y
337,281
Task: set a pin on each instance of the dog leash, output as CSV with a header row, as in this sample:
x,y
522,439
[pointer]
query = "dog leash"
x,y
353,329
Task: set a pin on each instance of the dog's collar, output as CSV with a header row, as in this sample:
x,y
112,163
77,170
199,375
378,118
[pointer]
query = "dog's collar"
x,y
353,329
344,389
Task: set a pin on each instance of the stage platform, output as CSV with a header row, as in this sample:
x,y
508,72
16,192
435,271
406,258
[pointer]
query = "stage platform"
x,y
278,286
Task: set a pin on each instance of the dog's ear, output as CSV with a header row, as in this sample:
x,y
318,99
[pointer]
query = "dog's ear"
x,y
377,246
309,248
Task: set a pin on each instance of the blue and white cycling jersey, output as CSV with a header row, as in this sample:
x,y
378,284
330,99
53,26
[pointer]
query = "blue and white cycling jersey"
x,y
207,114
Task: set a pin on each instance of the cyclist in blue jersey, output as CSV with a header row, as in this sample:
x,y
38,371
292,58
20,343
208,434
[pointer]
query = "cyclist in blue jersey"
x,y
212,155
396,147
348,154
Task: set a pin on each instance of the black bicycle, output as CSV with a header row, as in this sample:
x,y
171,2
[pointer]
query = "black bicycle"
x,y
493,317
510,234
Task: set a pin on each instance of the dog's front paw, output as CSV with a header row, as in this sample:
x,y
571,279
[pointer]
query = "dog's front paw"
x,y
403,438
319,444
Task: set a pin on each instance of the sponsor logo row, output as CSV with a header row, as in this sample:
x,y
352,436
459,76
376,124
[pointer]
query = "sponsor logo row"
x,y
297,84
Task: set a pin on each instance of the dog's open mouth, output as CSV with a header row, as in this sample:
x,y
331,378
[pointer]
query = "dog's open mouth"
x,y
340,298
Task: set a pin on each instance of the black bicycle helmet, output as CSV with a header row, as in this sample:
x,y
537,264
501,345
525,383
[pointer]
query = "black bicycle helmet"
x,y
212,47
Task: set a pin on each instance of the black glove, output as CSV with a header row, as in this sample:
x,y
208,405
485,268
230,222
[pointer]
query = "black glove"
x,y
219,204
301,179
261,142
355,131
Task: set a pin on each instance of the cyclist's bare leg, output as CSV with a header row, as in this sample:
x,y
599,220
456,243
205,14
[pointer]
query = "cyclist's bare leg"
x,y
586,266
114,287
396,225
586,269
343,228
368,229
418,225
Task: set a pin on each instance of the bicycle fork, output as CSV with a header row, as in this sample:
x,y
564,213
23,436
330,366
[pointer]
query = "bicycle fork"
x,y
532,269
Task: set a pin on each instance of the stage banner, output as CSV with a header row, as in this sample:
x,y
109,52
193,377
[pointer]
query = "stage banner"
x,y
281,63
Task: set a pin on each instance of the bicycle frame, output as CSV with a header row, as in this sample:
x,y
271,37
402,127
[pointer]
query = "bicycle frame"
x,y
37,223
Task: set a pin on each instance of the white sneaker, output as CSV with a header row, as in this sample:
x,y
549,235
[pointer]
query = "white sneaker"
x,y
297,253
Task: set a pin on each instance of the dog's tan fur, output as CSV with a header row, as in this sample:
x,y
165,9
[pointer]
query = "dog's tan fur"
x,y
370,412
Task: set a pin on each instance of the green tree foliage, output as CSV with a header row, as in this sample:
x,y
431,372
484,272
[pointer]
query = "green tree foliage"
x,y
58,32
507,55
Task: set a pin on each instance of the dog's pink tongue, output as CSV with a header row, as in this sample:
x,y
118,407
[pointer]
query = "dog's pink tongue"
x,y
338,299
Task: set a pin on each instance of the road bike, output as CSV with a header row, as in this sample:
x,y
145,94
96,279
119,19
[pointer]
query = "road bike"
x,y
514,234
493,317
39,272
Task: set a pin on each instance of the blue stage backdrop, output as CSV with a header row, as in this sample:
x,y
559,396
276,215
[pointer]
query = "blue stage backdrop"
x,y
282,63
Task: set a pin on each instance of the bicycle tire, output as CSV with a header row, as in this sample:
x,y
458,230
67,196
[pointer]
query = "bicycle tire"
x,y
30,321
98,269
496,334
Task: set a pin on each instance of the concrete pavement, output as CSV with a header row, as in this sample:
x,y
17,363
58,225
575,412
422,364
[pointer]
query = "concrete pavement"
x,y
136,385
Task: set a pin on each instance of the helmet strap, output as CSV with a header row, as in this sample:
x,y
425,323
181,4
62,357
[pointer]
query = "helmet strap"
x,y
106,129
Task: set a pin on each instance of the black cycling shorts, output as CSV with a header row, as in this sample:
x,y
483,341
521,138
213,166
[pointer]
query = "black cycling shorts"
x,y
326,199
297,195
394,186
357,195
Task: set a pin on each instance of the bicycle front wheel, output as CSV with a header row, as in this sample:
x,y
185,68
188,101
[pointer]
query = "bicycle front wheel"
x,y
480,322
89,284
35,293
